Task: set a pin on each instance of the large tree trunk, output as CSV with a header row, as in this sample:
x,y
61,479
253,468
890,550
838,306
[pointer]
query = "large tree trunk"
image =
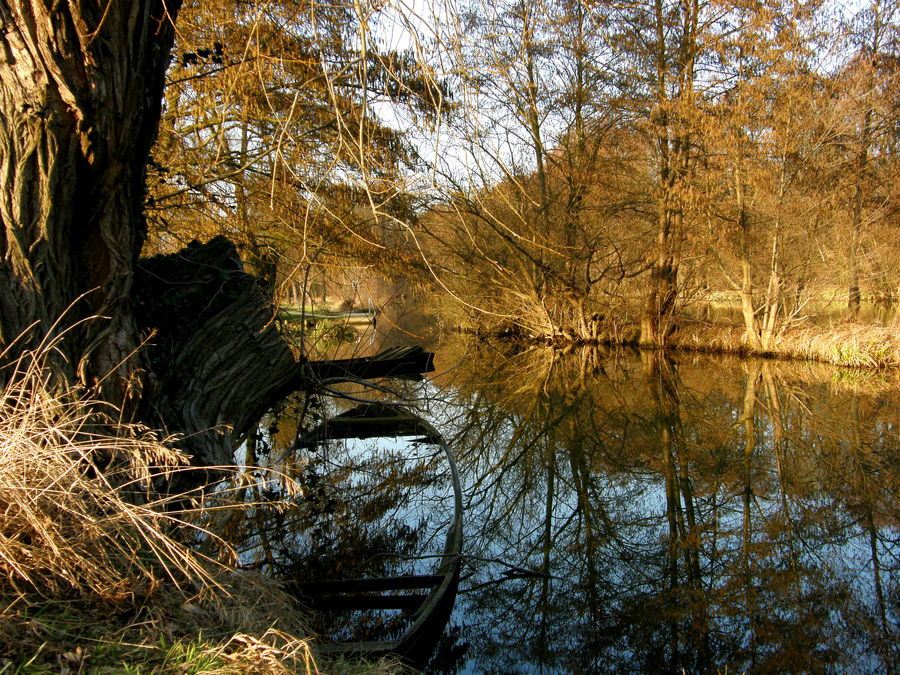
x,y
218,355
672,130
862,160
81,83
80,90
659,302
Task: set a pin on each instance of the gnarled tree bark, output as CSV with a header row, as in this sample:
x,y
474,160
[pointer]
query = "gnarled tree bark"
x,y
218,356
81,85
80,90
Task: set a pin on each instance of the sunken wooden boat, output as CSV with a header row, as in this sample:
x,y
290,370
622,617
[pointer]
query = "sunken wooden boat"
x,y
428,599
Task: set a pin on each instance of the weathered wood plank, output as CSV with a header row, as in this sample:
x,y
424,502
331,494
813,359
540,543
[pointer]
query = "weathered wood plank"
x,y
396,361
370,585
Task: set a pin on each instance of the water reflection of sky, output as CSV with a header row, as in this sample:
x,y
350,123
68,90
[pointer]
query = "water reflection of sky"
x,y
699,553
628,514
362,468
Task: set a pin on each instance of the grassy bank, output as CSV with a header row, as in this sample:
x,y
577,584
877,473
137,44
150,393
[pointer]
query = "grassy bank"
x,y
95,574
847,344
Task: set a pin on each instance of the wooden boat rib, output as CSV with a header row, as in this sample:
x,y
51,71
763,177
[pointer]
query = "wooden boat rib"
x,y
431,609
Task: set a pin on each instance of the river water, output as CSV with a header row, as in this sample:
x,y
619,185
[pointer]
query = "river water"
x,y
689,513
636,512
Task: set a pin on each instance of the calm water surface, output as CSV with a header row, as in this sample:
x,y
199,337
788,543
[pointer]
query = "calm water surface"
x,y
636,513
695,514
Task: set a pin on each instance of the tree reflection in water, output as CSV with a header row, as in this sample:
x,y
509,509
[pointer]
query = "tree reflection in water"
x,y
625,512
368,496
704,515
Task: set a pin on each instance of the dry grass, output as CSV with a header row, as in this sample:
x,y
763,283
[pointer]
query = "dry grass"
x,y
849,345
93,575
853,345
77,509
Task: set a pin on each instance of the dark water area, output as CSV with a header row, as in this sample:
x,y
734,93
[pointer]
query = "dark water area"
x,y
627,512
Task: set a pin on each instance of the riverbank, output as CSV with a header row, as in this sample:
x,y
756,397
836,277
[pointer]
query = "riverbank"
x,y
97,567
844,344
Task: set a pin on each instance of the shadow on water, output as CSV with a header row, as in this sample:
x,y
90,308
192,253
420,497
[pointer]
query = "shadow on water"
x,y
624,512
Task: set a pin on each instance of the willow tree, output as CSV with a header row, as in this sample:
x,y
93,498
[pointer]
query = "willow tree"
x,y
765,175
271,131
536,228
80,89
660,48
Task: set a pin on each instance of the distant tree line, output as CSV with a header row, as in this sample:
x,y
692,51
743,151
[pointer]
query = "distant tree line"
x,y
619,161
562,168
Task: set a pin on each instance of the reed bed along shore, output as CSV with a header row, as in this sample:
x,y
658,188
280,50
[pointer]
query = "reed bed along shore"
x,y
861,346
94,576
846,344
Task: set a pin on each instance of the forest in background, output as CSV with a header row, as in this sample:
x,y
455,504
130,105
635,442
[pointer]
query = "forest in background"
x,y
559,169
551,168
